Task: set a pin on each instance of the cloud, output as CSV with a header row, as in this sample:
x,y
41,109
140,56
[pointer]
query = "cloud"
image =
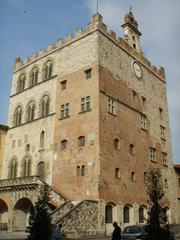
x,y
159,23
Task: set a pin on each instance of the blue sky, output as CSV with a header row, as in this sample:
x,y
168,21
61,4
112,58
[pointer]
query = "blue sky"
x,y
29,25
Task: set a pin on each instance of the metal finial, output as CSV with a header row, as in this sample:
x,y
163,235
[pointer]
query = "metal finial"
x,y
130,8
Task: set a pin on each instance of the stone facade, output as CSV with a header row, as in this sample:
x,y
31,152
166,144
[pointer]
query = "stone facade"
x,y
89,116
3,132
177,172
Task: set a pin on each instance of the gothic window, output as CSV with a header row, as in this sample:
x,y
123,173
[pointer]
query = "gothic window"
x,y
13,169
143,122
82,170
81,141
41,145
47,70
126,214
164,158
30,111
109,213
17,117
111,107
45,106
41,170
34,77
64,144
64,110
162,132
116,144
85,104
21,83
141,215
26,168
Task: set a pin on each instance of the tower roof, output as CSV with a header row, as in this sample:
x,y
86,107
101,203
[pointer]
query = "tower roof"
x,y
130,21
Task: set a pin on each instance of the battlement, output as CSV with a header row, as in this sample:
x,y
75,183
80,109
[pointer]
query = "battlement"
x,y
96,23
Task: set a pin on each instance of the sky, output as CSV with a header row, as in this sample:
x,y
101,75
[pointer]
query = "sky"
x,y
26,26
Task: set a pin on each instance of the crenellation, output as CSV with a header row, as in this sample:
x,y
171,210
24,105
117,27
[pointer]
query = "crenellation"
x,y
79,32
69,37
112,34
51,47
42,51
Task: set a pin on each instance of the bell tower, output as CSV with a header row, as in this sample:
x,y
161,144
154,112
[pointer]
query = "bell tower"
x,y
131,32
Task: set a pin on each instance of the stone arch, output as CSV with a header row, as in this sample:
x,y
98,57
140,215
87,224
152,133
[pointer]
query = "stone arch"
x,y
30,110
17,115
26,165
12,167
41,170
3,215
21,214
44,104
33,76
21,82
47,69
142,213
110,216
127,214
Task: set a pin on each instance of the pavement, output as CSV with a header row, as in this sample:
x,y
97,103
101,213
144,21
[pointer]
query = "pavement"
x,y
23,235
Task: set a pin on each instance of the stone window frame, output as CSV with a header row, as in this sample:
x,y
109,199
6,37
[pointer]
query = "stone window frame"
x,y
17,116
42,140
26,166
80,171
85,104
109,212
63,145
111,106
65,110
141,214
81,141
164,158
127,213
12,168
41,170
21,83
132,149
63,84
117,173
44,106
116,144
47,71
153,154
33,76
30,111
133,176
162,133
143,122
88,73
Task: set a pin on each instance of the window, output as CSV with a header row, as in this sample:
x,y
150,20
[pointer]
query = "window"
x,y
165,183
143,100
41,144
13,169
141,215
162,132
47,70
145,176
33,77
164,158
26,167
111,106
17,116
41,170
63,144
64,110
143,122
81,141
27,147
133,176
45,106
21,83
160,111
63,84
153,154
132,149
134,93
126,214
80,171
116,144
30,111
85,104
117,173
88,73
109,213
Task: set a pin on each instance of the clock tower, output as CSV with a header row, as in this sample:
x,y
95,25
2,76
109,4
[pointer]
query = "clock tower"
x,y
131,32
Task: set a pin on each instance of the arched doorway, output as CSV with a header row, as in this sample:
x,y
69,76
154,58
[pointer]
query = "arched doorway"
x,y
21,214
3,215
109,217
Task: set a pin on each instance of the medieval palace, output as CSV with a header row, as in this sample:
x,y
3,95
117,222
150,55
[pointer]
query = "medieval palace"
x,y
88,117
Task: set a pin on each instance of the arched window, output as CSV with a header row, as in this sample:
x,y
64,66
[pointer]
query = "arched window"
x,y
47,70
13,169
81,141
133,176
82,170
26,167
126,214
21,83
141,215
30,111
41,145
109,213
116,144
64,144
78,171
17,116
34,77
132,149
45,106
41,170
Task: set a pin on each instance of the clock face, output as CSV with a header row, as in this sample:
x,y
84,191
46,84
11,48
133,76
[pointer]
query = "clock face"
x,y
137,69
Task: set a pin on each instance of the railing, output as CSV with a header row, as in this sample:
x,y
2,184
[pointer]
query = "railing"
x,y
32,180
3,226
